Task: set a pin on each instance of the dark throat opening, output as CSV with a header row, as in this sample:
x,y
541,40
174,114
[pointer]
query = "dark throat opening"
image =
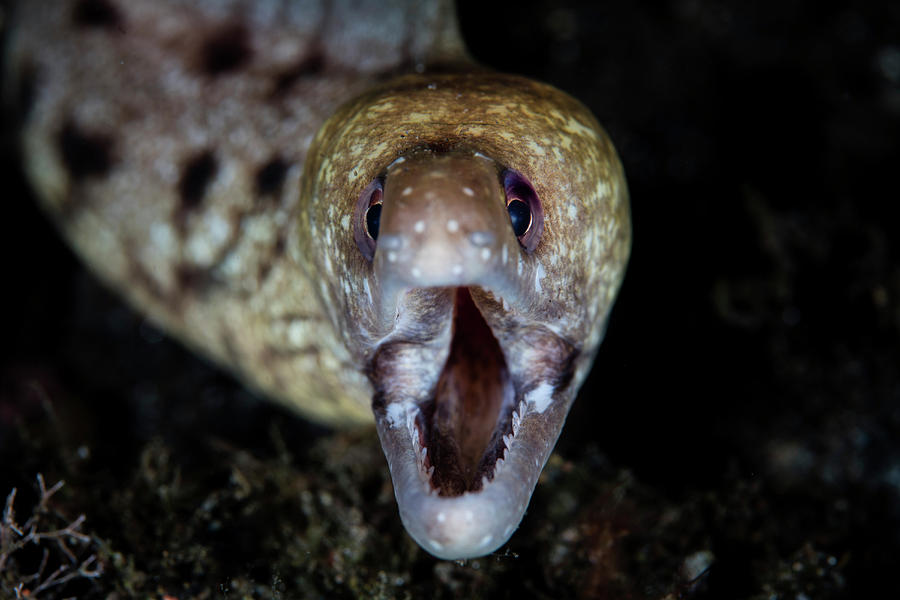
x,y
464,430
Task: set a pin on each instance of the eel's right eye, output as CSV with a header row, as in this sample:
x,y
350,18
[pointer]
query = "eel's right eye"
x,y
373,220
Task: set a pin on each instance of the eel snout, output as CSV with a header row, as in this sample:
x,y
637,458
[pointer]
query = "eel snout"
x,y
471,393
444,223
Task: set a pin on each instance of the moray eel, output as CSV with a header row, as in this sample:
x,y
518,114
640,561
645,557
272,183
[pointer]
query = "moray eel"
x,y
334,202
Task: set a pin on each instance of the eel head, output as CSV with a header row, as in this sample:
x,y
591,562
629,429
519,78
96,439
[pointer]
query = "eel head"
x,y
469,233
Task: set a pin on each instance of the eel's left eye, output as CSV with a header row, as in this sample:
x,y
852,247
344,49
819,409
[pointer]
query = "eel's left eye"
x,y
367,217
524,207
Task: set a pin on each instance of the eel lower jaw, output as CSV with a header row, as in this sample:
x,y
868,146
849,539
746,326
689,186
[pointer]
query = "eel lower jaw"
x,y
465,460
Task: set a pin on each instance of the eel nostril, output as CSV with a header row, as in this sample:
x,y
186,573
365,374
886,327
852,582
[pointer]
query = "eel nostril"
x,y
482,238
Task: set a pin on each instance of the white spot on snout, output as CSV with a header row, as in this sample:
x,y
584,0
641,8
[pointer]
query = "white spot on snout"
x,y
392,257
468,191
406,191
485,253
452,225
419,227
441,517
416,272
539,398
397,413
457,269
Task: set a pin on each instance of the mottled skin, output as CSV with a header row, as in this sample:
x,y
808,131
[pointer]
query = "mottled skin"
x,y
183,149
166,139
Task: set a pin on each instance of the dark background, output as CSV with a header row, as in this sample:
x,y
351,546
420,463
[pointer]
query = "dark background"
x,y
751,373
761,146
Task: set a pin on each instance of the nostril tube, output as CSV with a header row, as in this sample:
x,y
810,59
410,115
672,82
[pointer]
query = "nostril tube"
x,y
482,238
438,234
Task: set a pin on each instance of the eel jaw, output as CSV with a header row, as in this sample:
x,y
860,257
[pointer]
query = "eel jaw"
x,y
451,508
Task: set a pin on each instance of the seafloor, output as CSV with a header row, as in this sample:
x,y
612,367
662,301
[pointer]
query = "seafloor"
x,y
739,436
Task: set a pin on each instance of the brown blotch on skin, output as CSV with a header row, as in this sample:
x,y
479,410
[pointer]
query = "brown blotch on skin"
x,y
311,66
265,267
195,179
278,249
270,176
96,13
84,154
192,279
225,50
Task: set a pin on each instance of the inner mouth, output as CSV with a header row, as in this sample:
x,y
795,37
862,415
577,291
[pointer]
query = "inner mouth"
x,y
463,427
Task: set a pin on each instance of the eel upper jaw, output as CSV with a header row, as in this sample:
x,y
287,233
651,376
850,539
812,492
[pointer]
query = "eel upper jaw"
x,y
471,389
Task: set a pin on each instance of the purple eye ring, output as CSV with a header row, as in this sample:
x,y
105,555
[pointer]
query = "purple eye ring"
x,y
526,214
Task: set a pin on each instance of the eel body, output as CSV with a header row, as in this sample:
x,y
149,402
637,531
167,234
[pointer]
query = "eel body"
x,y
331,200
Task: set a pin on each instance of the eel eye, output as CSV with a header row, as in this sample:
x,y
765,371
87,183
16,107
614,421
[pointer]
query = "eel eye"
x,y
524,207
519,216
367,217
373,220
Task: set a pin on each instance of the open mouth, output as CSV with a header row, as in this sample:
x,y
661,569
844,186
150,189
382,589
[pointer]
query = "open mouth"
x,y
467,434
462,429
